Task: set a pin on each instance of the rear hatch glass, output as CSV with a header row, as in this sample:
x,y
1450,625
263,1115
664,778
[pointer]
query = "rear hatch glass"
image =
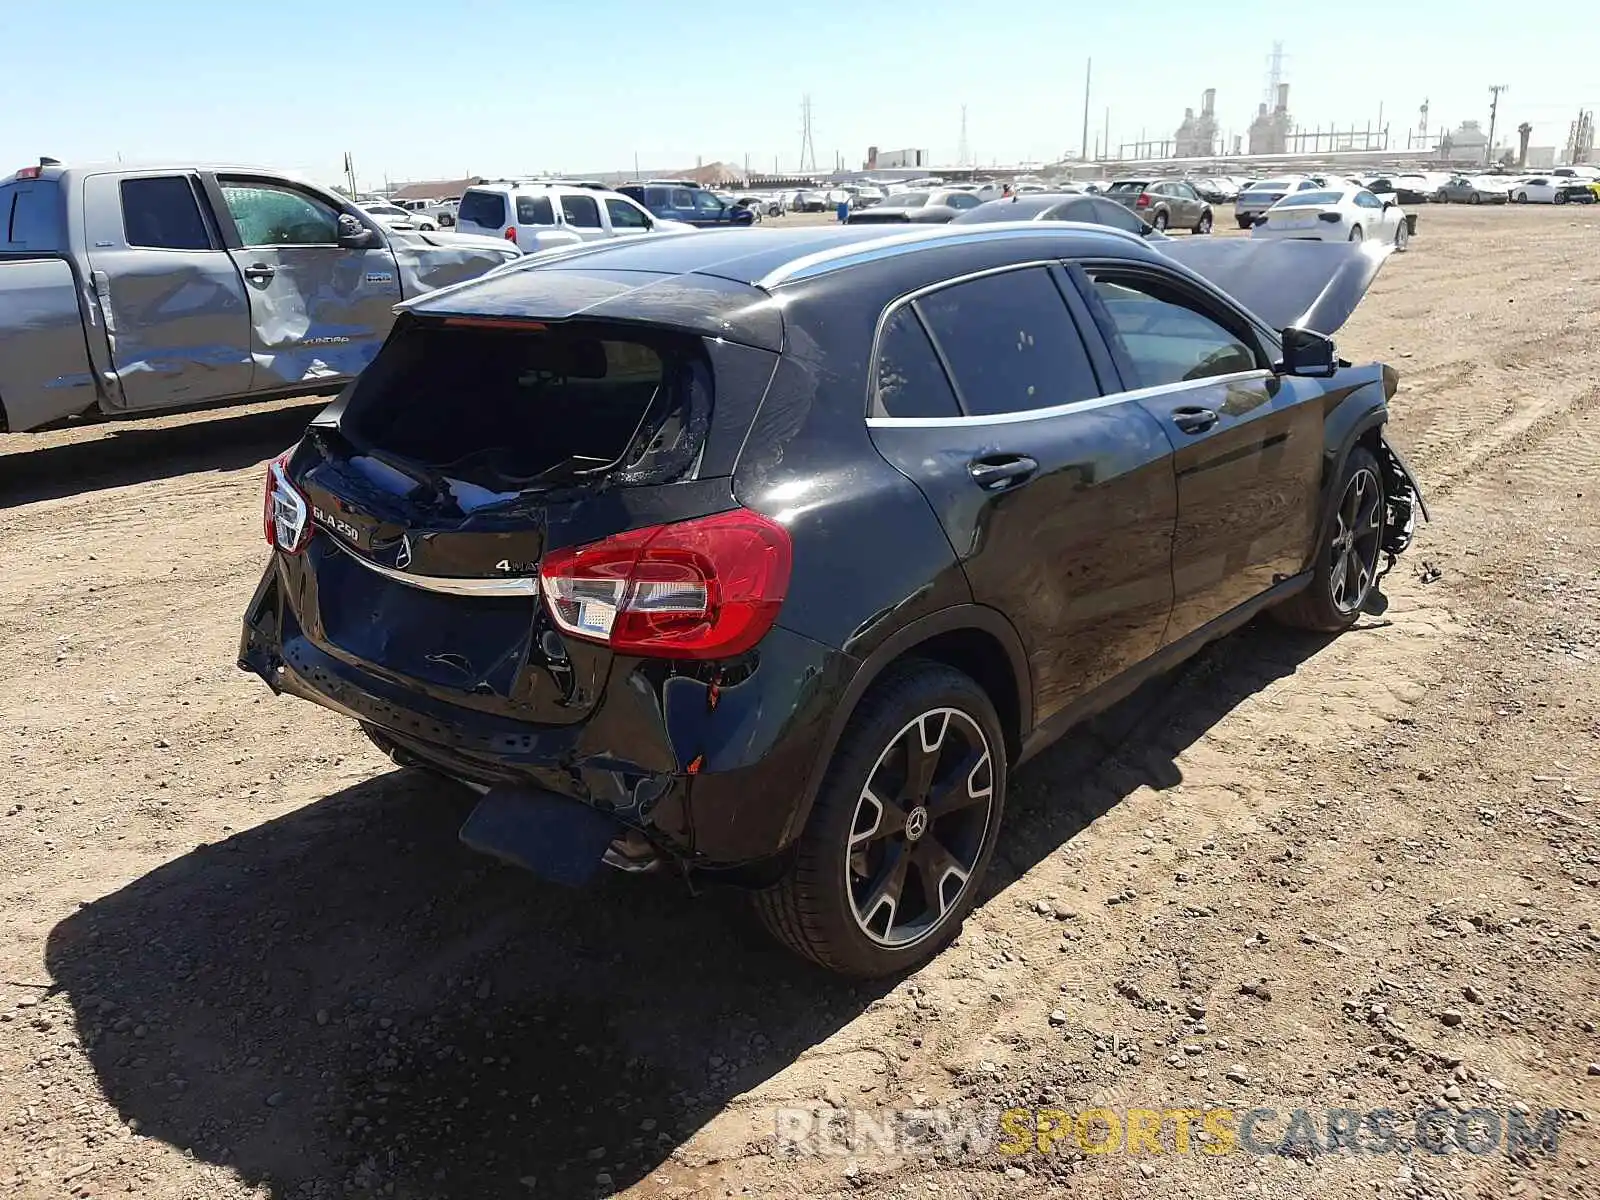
x,y
484,209
461,453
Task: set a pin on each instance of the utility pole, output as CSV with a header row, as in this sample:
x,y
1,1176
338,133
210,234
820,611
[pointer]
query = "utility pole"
x,y
808,152
1088,66
962,149
1494,105
1106,143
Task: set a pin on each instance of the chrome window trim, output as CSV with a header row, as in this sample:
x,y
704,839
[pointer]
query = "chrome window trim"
x,y
515,585
1065,410
836,258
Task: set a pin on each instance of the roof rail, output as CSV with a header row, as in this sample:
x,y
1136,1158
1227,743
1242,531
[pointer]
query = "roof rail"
x,y
836,258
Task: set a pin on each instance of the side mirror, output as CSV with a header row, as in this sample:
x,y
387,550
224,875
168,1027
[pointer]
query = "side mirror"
x,y
1307,353
1388,204
353,235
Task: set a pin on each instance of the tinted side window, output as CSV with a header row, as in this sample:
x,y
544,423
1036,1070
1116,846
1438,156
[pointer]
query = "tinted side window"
x,y
163,214
581,211
625,216
1108,212
1010,343
535,210
1165,336
682,198
28,216
272,215
482,208
911,383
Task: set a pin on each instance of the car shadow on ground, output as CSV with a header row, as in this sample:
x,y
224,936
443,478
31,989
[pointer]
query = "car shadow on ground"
x,y
345,1001
114,454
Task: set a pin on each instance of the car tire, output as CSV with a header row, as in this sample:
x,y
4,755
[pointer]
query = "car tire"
x,y
1402,236
1350,545
1246,222
1204,225
1521,197
1356,235
1560,197
832,905
1160,221
1475,198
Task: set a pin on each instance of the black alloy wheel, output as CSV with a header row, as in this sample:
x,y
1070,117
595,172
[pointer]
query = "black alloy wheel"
x,y
919,827
902,828
1347,562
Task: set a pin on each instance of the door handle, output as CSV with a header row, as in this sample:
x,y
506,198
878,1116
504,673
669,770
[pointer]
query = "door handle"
x,y
1001,470
259,272
1194,420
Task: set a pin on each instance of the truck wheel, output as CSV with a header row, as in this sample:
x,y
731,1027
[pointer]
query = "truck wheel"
x,y
902,830
1347,560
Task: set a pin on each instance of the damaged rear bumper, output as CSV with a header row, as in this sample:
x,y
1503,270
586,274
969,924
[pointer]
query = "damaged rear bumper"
x,y
689,766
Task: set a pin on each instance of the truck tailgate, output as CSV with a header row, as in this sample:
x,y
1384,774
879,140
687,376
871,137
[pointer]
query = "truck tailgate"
x,y
44,361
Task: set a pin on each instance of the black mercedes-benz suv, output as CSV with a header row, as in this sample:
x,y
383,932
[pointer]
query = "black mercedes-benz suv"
x,y
770,555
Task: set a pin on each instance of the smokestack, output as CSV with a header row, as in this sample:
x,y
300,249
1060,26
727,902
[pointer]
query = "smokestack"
x,y
1208,101
1283,97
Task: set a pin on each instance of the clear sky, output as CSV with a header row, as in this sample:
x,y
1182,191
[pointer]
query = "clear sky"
x,y
443,88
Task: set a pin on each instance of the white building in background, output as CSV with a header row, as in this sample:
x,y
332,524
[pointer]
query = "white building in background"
x,y
1468,140
877,159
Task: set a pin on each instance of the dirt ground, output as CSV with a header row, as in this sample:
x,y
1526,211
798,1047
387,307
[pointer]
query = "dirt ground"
x,y
242,954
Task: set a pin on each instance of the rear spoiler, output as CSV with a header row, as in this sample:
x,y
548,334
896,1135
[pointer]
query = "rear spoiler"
x,y
1313,285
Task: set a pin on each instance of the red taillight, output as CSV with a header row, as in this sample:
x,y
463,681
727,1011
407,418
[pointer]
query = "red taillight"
x,y
29,172
707,588
1143,201
285,519
511,234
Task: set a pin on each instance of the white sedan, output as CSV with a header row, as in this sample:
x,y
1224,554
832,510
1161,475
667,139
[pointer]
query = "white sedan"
x,y
395,217
1348,214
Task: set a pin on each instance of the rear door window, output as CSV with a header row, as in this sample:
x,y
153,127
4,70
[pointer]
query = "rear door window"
x,y
487,209
1010,342
28,217
581,211
624,215
535,210
163,214
1165,336
910,380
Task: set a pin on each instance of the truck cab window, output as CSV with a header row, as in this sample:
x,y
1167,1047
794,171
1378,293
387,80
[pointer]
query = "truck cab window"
x,y
162,214
271,215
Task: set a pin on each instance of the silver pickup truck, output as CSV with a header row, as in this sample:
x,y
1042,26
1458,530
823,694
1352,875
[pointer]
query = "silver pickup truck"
x,y
129,290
